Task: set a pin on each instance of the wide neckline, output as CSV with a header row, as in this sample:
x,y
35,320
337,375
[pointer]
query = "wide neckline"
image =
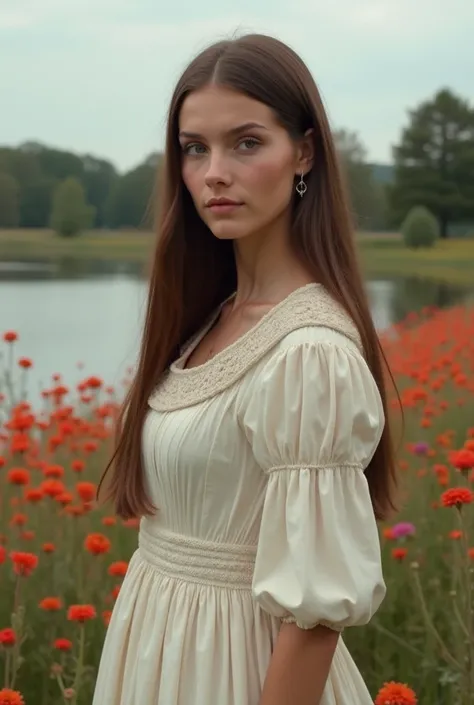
x,y
178,365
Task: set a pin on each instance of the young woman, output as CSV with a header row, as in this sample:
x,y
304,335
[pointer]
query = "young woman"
x,y
253,442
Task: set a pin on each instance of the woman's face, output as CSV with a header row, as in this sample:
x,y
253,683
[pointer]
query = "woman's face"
x,y
233,148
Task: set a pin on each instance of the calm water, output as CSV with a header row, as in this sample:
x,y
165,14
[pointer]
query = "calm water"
x,y
91,313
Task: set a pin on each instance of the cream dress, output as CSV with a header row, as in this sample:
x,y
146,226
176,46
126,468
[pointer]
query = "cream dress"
x,y
256,461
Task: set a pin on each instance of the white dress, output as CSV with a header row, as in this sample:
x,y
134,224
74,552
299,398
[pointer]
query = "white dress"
x,y
256,461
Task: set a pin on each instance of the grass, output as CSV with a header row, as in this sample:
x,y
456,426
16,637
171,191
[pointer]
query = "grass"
x,y
451,261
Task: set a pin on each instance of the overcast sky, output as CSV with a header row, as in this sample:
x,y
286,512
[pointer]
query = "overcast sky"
x,y
96,75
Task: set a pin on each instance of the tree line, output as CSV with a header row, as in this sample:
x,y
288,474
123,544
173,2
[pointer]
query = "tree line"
x,y
433,167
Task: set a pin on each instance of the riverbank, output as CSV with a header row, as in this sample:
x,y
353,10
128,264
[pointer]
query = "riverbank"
x,y
451,261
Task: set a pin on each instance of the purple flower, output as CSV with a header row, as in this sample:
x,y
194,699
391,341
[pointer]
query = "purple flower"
x,y
404,528
421,448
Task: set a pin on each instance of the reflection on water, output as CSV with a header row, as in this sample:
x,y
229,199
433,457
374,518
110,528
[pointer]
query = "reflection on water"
x,y
77,311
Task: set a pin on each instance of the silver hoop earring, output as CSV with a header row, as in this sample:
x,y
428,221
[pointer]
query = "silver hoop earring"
x,y
301,186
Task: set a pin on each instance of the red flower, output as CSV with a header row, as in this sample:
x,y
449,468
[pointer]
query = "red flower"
x,y
25,362
3,555
24,563
10,336
56,471
63,644
50,604
86,491
106,615
52,487
399,553
18,476
109,521
35,494
11,697
396,694
118,569
78,465
7,637
456,534
456,497
462,459
18,520
97,544
81,613
49,547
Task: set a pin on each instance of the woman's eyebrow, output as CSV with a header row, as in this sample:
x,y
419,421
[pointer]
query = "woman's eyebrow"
x,y
230,133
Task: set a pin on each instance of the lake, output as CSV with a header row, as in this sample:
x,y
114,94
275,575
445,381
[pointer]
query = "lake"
x,y
78,318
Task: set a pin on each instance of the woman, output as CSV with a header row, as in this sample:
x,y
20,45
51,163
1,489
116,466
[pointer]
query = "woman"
x,y
256,453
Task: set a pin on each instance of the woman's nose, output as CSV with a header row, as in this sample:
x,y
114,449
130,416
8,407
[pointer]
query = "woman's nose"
x,y
217,172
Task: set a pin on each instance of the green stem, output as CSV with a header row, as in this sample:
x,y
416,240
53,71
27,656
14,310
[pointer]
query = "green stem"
x,y
469,604
7,668
449,658
80,664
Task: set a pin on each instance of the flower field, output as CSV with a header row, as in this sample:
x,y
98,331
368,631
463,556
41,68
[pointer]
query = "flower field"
x,y
62,558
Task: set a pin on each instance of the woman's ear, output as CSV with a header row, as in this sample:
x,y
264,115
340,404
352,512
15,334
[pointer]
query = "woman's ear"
x,y
306,152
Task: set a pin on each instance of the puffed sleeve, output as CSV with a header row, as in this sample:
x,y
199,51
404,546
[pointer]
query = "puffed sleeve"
x,y
314,420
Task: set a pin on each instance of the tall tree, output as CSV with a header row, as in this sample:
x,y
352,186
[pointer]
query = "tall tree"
x,y
434,161
367,195
9,201
71,214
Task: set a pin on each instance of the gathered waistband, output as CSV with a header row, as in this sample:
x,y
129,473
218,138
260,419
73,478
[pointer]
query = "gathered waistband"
x,y
195,560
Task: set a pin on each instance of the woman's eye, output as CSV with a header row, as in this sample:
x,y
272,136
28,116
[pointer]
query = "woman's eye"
x,y
250,140
187,148
251,143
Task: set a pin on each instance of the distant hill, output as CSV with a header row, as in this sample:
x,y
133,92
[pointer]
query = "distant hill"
x,y
383,173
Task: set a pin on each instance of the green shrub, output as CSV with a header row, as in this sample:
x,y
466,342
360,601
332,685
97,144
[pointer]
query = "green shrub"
x,y
70,213
420,228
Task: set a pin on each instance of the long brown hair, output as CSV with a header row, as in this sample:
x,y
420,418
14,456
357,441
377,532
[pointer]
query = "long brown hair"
x,y
193,272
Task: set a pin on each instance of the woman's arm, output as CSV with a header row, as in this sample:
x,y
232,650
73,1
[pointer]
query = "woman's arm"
x,y
299,666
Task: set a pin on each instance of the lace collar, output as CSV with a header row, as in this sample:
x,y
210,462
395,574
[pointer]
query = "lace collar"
x,y
309,305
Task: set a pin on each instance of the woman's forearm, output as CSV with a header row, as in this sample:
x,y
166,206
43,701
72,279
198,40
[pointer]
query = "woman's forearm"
x,y
299,666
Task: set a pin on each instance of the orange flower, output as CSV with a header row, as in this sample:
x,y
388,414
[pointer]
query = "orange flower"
x,y
396,694
7,637
24,563
456,497
63,644
81,613
18,476
50,604
10,336
11,697
97,544
86,491
399,553
118,569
